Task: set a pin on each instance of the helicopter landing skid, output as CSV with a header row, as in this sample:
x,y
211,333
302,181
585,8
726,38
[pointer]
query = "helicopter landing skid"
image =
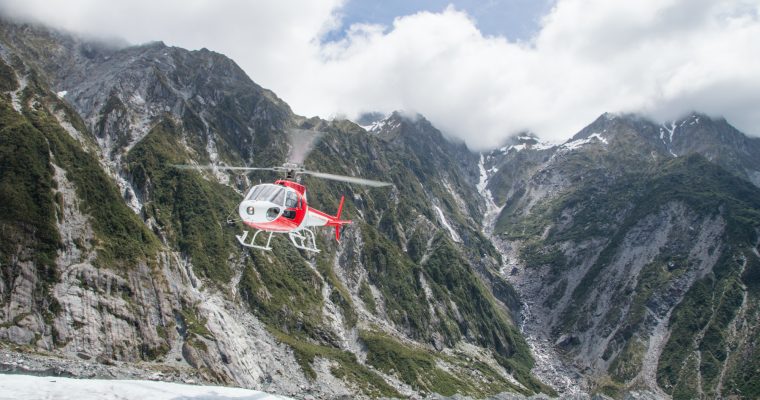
x,y
304,239
252,243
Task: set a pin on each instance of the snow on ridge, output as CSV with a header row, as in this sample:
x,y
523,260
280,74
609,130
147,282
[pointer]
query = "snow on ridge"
x,y
54,387
379,126
454,235
376,126
529,143
518,147
575,144
542,146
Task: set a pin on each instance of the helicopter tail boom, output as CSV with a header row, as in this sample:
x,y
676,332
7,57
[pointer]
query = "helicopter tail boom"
x,y
320,218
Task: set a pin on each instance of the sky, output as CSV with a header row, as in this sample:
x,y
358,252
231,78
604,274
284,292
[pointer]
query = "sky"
x,y
514,19
478,70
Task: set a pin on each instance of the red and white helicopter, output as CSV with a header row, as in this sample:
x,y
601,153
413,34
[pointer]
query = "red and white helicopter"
x,y
282,207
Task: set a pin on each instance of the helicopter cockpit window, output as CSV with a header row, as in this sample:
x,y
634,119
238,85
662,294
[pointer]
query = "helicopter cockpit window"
x,y
273,193
279,197
291,199
254,192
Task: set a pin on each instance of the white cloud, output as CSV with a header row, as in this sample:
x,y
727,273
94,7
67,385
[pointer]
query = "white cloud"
x,y
660,57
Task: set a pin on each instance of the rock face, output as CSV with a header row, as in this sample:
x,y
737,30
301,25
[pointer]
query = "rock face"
x,y
632,252
113,257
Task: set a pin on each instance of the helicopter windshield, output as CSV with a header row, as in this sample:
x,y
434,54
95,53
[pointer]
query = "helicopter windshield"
x,y
271,193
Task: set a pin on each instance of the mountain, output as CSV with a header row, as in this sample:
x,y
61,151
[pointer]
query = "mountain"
x,y
621,263
637,253
114,259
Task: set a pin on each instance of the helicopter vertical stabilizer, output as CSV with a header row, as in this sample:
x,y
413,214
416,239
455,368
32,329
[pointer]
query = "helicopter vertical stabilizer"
x,y
336,221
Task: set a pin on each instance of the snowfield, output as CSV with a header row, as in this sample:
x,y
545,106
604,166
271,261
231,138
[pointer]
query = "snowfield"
x,y
52,387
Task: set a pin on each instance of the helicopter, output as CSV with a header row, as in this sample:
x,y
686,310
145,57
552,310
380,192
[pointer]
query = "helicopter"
x,y
282,206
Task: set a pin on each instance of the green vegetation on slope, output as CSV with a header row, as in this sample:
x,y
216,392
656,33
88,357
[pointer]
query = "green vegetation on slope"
x,y
27,207
419,369
345,366
188,210
122,238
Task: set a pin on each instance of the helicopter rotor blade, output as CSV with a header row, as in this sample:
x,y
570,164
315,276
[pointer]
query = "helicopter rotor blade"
x,y
348,179
289,168
213,167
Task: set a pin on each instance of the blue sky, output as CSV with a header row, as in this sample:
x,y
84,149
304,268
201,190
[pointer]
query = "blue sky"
x,y
513,19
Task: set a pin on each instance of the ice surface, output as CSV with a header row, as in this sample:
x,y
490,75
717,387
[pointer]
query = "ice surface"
x,y
53,387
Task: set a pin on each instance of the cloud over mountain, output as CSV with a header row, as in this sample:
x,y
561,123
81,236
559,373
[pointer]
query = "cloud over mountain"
x,y
659,57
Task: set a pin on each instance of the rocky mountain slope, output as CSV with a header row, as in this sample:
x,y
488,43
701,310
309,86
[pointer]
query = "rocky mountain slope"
x,y
636,255
111,255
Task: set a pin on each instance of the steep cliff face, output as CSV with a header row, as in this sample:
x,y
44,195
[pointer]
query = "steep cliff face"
x,y
112,255
632,260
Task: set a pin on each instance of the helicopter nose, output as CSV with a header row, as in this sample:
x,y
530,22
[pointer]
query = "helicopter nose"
x,y
259,211
247,210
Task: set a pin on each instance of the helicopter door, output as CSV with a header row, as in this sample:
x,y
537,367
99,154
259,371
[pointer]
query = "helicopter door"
x,y
291,204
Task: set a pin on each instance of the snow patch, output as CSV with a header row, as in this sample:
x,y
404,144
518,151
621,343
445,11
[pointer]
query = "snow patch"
x,y
492,210
374,127
62,93
483,180
518,147
670,130
454,235
379,126
575,144
542,146
526,146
